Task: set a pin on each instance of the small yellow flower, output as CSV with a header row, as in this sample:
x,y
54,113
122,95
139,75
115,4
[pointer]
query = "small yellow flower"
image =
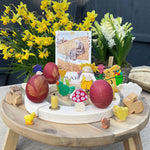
x,y
6,53
40,29
59,14
15,42
64,21
87,24
7,10
80,27
16,18
17,55
2,46
31,37
29,43
69,26
92,15
62,72
50,16
3,33
47,41
31,16
11,50
26,54
33,24
24,38
5,20
44,4
27,32
37,40
65,5
40,46
22,5
43,54
22,9
56,6
14,34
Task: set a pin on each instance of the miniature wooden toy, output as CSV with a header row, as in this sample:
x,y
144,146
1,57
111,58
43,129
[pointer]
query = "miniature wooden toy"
x,y
87,77
14,97
105,123
29,118
110,76
79,96
67,114
134,105
62,74
54,102
119,77
101,68
63,89
121,113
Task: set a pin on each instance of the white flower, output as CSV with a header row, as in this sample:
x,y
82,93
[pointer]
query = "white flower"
x,y
109,33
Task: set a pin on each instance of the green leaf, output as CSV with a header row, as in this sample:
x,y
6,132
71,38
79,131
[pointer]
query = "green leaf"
x,y
127,45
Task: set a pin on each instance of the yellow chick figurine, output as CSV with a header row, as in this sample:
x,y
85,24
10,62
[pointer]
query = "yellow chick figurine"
x,y
121,113
29,118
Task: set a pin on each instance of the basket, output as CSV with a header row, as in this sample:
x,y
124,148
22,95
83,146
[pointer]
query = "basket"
x,y
125,72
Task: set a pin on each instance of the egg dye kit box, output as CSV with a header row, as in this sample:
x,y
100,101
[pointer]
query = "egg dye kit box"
x,y
72,49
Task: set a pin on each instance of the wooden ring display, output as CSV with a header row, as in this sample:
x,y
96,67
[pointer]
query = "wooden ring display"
x,y
67,114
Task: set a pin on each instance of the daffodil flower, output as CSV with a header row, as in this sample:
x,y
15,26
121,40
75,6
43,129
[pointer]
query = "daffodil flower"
x,y
34,41
92,15
5,20
7,10
43,54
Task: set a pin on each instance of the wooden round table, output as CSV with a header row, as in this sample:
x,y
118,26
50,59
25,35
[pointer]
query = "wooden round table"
x,y
70,135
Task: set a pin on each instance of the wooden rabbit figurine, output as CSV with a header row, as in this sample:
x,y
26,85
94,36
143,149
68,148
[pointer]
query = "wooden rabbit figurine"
x,y
110,76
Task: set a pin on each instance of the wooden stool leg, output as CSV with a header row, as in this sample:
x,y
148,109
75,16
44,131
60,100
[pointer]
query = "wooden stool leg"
x,y
11,140
133,143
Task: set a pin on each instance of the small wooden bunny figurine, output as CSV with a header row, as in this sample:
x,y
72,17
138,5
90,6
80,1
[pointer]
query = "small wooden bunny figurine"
x,y
110,76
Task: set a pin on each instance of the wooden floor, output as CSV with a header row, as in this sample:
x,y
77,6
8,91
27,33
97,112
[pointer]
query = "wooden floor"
x,y
26,144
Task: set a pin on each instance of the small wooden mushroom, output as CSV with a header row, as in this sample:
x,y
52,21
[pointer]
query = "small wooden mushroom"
x,y
79,96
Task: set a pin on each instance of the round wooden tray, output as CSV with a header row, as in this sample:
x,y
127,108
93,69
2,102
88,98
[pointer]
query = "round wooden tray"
x,y
75,135
67,114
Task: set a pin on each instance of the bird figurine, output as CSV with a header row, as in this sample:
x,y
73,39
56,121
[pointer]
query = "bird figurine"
x,y
63,89
120,112
29,118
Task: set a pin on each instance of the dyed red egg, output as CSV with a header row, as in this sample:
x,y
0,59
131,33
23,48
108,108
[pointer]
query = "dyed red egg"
x,y
101,93
51,72
37,88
